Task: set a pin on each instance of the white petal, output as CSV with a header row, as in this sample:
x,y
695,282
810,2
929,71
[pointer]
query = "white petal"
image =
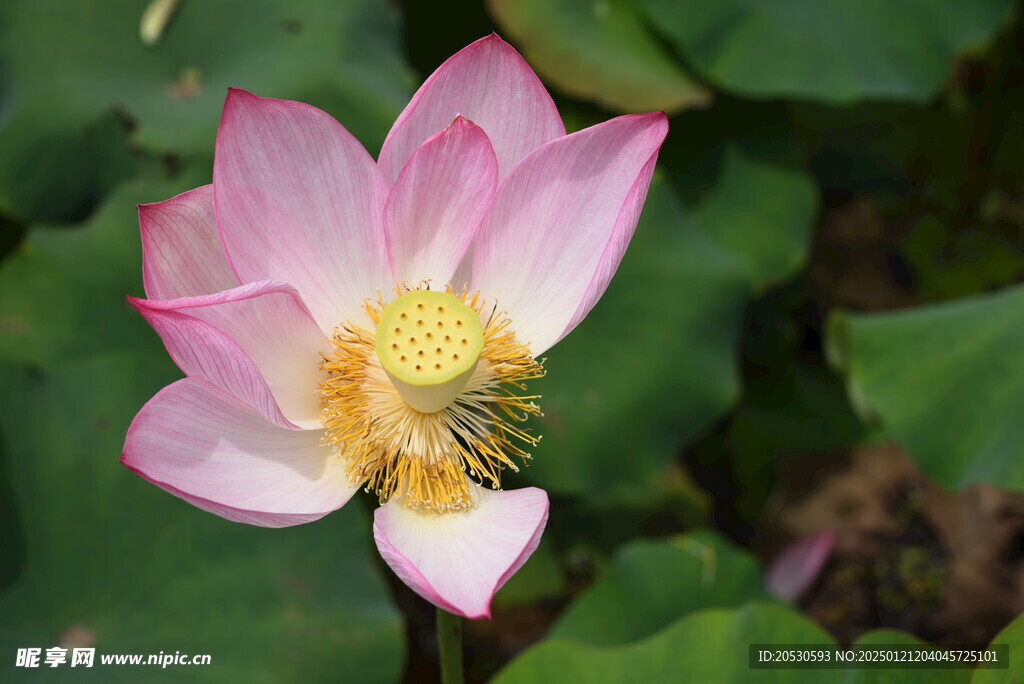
x,y
458,561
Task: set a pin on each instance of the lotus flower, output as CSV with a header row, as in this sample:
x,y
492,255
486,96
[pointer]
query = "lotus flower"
x,y
345,324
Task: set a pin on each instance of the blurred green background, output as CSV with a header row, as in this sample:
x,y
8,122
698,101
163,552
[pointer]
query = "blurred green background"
x,y
819,325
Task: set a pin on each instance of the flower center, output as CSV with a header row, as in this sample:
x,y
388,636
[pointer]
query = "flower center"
x,y
429,344
432,398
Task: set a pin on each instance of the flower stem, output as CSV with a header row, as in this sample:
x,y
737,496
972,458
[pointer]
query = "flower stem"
x,y
449,642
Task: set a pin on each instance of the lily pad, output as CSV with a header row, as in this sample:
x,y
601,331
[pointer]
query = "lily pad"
x,y
60,171
706,646
794,408
1013,636
652,583
762,214
712,646
342,56
687,609
834,52
896,675
656,361
946,381
599,51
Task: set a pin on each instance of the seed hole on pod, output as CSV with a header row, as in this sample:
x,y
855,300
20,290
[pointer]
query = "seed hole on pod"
x,y
429,335
437,351
455,357
447,338
419,353
419,307
437,366
440,324
458,324
398,331
440,309
464,341
394,347
403,316
412,340
401,358
419,367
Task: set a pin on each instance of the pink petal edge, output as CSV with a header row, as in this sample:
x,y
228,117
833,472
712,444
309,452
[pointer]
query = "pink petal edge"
x,y
490,84
257,341
204,446
608,264
436,205
458,561
299,200
181,251
202,351
560,223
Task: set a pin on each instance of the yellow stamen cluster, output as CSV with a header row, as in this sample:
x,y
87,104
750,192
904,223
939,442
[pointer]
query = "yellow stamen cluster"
x,y
424,458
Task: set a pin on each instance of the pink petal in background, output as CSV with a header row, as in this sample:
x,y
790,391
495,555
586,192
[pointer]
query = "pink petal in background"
x,y
798,565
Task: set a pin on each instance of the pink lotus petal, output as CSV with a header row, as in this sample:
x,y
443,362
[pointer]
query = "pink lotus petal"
x,y
181,252
256,341
202,444
458,561
799,564
464,272
560,223
436,205
622,233
492,86
200,350
299,200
